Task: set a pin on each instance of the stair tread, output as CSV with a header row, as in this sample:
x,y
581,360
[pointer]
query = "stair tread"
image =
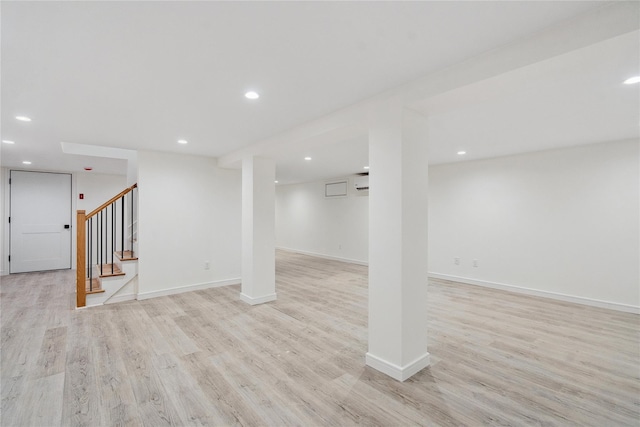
x,y
108,272
95,288
126,256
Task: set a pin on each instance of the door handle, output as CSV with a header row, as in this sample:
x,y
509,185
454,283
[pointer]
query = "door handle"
x,y
67,226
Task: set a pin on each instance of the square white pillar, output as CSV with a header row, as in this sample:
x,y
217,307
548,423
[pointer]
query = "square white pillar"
x,y
397,241
258,230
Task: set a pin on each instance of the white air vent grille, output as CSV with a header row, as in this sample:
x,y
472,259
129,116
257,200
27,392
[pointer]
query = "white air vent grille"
x,y
335,189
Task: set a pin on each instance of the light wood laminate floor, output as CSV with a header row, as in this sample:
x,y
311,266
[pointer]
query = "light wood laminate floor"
x,y
206,358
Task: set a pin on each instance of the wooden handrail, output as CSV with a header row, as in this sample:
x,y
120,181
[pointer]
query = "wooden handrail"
x,y
111,200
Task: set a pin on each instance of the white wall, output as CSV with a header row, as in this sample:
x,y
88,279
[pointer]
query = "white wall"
x,y
308,222
189,213
559,222
97,189
132,168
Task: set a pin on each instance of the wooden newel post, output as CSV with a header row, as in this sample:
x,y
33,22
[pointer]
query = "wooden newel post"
x,y
81,262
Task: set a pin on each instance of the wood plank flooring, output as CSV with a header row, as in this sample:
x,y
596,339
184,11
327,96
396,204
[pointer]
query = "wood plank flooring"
x,y
206,358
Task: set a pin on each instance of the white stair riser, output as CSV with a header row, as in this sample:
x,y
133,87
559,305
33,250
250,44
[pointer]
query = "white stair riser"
x,y
129,268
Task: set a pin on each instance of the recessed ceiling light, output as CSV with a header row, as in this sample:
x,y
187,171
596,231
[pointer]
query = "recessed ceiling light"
x,y
6,141
23,118
276,181
632,80
461,153
366,167
26,162
182,141
251,95
307,158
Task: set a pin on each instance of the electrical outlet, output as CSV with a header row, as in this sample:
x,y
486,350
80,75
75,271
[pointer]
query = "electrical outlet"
x,y
207,265
475,262
456,261
340,246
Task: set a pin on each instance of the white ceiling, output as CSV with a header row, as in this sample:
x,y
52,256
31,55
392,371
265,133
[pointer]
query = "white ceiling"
x,y
573,99
342,158
140,75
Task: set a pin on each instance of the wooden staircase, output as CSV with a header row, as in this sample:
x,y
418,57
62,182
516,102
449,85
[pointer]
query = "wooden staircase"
x,y
111,280
94,285
104,264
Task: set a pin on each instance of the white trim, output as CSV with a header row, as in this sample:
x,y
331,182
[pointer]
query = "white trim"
x,y
260,300
334,258
120,298
188,288
545,294
396,372
4,203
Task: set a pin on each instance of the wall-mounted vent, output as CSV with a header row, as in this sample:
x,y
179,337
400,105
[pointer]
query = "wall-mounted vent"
x,y
335,189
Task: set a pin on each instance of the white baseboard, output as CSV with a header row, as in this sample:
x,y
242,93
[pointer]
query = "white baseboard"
x,y
258,300
188,288
397,372
334,258
545,294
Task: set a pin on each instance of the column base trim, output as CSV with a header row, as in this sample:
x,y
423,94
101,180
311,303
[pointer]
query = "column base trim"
x,y
396,372
258,300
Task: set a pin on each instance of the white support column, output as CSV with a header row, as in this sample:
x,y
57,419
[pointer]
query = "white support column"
x,y
397,241
258,231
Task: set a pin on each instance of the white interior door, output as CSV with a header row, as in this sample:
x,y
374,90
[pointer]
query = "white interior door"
x,y
40,221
